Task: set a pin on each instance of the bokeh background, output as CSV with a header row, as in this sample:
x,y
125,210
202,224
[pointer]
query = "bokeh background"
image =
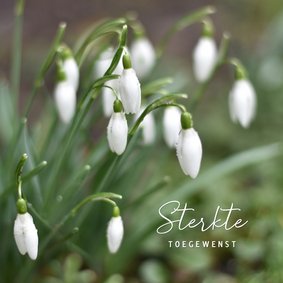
x,y
257,39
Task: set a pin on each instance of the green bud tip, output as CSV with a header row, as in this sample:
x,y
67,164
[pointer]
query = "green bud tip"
x,y
127,64
240,72
208,29
186,120
60,75
21,206
117,106
65,52
116,211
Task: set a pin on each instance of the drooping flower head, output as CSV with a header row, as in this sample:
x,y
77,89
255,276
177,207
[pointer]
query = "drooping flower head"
x,y
205,54
147,127
242,99
70,67
189,147
117,130
130,90
115,231
143,56
65,96
171,125
25,232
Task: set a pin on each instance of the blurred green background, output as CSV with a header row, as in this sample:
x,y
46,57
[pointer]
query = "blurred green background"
x,y
257,39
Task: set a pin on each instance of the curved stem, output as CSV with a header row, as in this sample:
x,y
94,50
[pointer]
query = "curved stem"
x,y
164,101
182,23
19,171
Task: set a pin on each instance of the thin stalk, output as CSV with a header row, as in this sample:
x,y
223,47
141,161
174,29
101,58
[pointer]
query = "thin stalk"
x,y
181,24
45,66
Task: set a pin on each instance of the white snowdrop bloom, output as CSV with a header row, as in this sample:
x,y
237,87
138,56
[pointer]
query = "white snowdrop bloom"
x,y
108,97
189,151
117,132
171,125
143,56
71,69
115,232
204,58
130,91
65,99
242,102
103,62
25,235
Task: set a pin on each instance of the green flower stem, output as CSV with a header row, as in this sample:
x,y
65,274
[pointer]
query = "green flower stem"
x,y
19,171
45,66
35,171
181,24
105,28
155,86
220,61
105,197
135,24
164,101
240,71
17,51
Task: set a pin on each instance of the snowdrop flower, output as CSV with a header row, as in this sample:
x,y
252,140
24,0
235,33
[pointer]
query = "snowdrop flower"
x,y
189,147
65,98
171,125
115,231
101,66
117,130
71,70
129,87
143,56
70,67
205,54
25,233
147,127
242,102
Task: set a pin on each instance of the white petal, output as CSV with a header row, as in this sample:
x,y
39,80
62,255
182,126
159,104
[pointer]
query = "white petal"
x,y
65,98
31,237
204,58
108,97
117,133
148,129
19,234
171,125
115,232
71,69
143,57
189,152
242,102
130,91
103,62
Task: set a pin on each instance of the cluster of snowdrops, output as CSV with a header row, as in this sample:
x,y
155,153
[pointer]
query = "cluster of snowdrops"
x,y
122,96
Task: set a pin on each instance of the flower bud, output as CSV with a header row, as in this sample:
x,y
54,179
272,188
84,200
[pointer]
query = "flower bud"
x,y
143,56
71,70
115,232
171,125
189,151
130,89
117,132
204,58
25,235
242,102
65,99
